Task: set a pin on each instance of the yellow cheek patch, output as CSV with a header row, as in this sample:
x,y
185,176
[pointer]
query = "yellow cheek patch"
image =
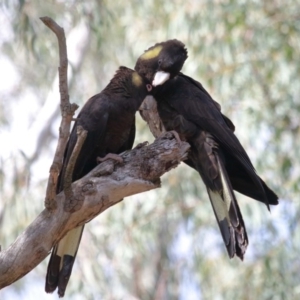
x,y
152,53
137,79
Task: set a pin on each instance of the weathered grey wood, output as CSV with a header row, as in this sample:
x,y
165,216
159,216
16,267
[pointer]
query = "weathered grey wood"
x,y
103,187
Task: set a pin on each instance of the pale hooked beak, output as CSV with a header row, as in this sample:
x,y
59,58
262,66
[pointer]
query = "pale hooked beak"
x,y
160,78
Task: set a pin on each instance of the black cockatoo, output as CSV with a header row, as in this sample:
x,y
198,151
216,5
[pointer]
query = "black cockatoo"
x,y
216,153
109,118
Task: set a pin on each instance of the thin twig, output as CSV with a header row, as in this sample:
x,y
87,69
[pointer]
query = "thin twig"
x,y
73,203
67,112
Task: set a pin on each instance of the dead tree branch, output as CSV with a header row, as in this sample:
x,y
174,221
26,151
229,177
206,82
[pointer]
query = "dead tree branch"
x,y
73,203
103,187
149,113
67,112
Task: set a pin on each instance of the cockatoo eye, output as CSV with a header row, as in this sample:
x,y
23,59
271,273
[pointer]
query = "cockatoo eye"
x,y
148,87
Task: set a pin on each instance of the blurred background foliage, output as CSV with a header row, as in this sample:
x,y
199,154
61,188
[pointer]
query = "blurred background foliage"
x,y
163,244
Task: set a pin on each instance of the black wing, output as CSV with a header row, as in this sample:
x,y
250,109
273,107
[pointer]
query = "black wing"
x,y
93,118
218,106
195,104
130,141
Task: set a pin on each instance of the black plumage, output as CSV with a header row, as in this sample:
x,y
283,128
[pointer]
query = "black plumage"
x,y
109,118
216,153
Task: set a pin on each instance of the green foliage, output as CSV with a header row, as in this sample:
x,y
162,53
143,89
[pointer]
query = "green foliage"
x,y
165,244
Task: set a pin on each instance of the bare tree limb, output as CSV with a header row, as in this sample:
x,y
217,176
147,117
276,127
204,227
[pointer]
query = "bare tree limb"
x,y
149,113
67,112
40,133
103,187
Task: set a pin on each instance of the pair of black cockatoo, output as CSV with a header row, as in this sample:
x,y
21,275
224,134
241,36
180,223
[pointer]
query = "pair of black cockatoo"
x,y
184,106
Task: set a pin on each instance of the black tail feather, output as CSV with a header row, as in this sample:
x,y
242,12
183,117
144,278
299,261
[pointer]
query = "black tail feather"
x,y
228,215
52,272
61,261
